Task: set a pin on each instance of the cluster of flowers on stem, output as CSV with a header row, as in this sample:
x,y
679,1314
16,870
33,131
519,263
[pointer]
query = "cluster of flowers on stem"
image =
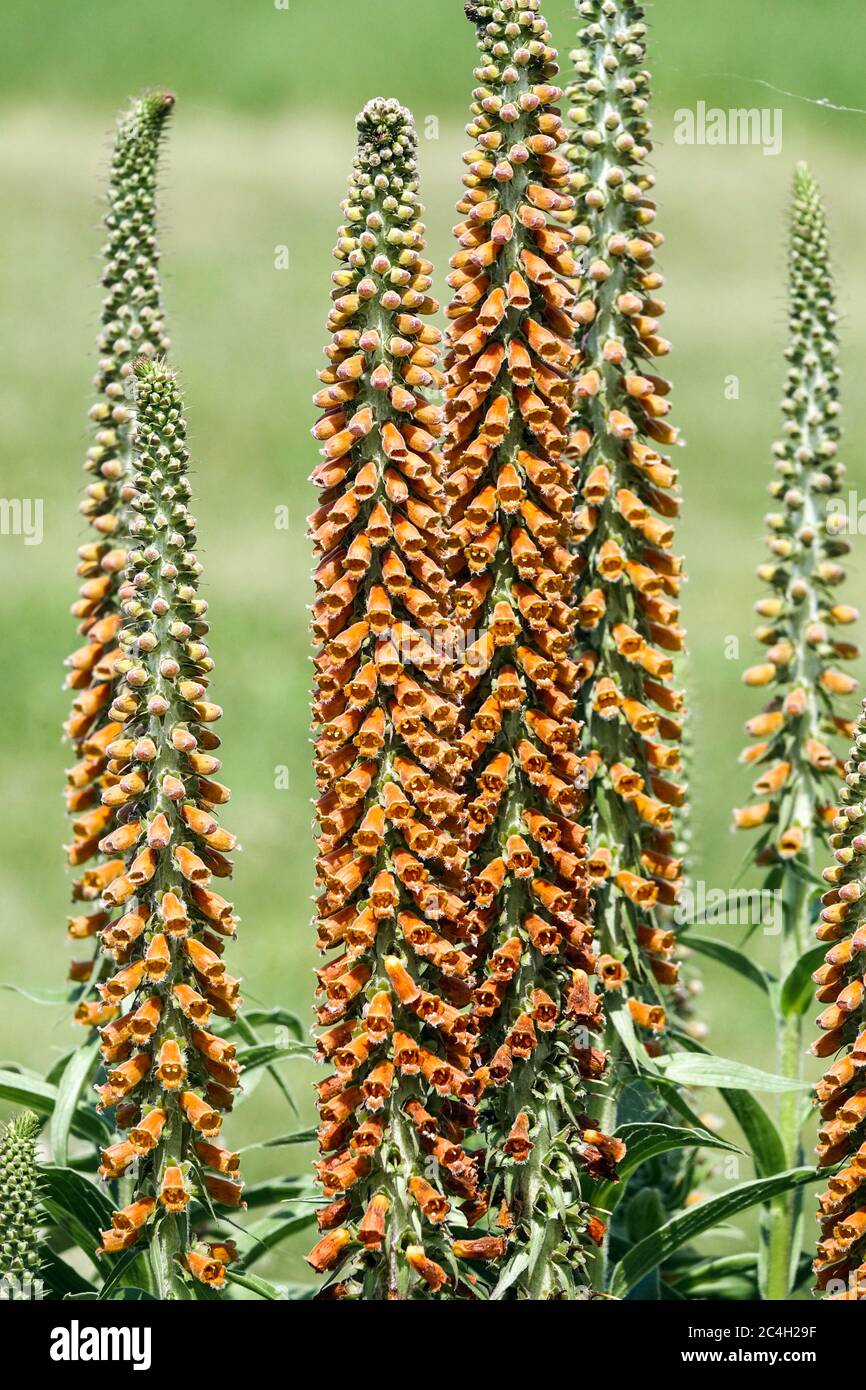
x,y
132,325
510,478
801,616
141,793
391,864
162,926
628,621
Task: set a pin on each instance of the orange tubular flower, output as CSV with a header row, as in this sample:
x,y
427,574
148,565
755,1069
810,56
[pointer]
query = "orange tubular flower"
x,y
509,389
206,1268
132,325
173,1077
840,1265
393,999
629,635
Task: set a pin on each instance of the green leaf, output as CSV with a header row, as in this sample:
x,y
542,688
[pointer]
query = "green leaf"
x,y
246,1031
40,1096
262,1236
265,1054
509,1275
646,1139
691,1069
257,1285
77,1073
765,1142
264,1194
687,1225
133,1266
644,1213
798,987
736,960
278,1018
764,1139
690,1277
726,1288
55,1072
40,996
61,1279
806,875
300,1293
77,1205
300,1136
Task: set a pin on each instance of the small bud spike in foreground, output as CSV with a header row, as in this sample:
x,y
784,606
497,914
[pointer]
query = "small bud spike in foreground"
x,y
19,1198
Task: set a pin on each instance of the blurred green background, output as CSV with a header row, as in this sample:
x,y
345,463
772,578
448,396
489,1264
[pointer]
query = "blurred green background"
x,y
258,153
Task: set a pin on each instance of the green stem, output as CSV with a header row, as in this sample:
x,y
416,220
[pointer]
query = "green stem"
x,y
781,1215
606,1096
171,1233
540,1285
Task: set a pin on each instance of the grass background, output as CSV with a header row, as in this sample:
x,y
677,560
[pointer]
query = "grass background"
x,y
260,146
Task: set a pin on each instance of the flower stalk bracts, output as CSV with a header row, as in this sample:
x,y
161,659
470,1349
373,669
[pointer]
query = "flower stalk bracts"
x,y
394,996
132,326
511,483
841,1093
628,621
801,618
19,1200
165,996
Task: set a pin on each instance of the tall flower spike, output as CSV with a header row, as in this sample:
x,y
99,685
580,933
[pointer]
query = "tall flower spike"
x,y
511,486
19,1198
792,755
394,999
800,618
841,1093
170,1071
627,620
132,325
